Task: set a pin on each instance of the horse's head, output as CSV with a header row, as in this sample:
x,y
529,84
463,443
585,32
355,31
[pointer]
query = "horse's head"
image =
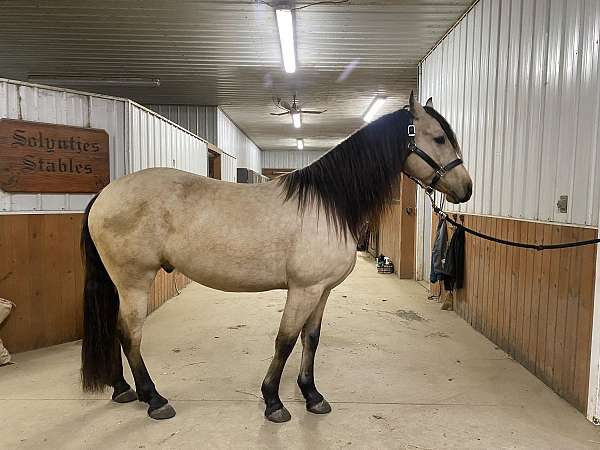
x,y
435,159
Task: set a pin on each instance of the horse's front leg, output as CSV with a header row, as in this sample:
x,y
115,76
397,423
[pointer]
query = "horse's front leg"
x,y
311,331
300,304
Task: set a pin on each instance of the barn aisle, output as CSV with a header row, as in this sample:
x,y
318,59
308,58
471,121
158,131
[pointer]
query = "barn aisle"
x,y
398,372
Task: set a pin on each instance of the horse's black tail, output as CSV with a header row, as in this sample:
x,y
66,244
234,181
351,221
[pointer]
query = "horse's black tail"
x,y
100,347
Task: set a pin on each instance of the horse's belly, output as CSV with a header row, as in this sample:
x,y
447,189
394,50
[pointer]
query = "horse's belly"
x,y
234,264
232,277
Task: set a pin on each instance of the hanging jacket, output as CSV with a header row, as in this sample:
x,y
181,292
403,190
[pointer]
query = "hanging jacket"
x,y
438,252
454,263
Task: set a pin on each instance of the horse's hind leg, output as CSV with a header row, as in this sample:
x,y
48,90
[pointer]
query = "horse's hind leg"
x,y
299,305
311,331
122,391
132,312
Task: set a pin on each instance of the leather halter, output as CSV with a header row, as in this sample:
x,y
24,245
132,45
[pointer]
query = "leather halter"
x,y
439,171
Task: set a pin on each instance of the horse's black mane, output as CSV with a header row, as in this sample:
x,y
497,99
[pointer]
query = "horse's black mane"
x,y
353,182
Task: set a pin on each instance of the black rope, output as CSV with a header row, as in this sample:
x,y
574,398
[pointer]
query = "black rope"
x,y
537,247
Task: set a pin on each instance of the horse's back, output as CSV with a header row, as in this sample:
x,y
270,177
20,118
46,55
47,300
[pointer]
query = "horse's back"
x,y
226,235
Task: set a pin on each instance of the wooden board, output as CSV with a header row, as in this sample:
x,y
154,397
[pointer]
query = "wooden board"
x,y
41,157
537,306
42,273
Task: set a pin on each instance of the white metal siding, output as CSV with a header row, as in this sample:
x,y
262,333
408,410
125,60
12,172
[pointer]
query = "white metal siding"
x,y
233,141
138,137
200,120
519,82
228,168
295,159
156,142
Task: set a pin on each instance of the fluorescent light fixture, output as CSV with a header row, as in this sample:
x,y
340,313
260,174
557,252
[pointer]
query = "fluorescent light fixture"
x,y
296,120
375,106
285,24
300,144
76,81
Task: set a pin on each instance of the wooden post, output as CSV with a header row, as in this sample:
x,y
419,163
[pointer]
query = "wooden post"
x,y
408,224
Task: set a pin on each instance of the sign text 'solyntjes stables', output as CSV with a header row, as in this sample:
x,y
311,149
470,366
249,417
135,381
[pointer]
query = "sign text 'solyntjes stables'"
x,y
41,157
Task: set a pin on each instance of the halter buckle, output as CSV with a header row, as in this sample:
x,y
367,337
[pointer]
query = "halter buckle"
x,y
412,131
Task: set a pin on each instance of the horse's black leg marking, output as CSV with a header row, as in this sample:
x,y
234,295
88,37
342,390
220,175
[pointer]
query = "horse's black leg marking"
x,y
275,411
144,386
122,391
311,331
300,303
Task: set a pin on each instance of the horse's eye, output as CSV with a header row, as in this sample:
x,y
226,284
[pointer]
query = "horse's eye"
x,y
440,140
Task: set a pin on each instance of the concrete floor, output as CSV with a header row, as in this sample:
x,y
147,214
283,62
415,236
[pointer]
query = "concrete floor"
x,y
399,373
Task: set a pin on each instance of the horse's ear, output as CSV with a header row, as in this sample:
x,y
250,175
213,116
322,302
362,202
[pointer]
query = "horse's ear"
x,y
429,102
411,102
414,106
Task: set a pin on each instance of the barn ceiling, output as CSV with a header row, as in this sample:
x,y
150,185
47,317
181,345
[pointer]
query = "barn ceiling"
x,y
227,53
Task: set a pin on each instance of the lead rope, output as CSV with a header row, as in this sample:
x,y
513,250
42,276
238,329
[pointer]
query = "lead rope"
x,y
442,214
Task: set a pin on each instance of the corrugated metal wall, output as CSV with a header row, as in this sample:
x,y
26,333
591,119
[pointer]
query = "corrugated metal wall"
x,y
139,138
519,82
295,159
233,141
156,142
200,120
228,168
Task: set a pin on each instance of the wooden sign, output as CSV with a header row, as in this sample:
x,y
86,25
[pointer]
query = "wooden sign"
x,y
43,157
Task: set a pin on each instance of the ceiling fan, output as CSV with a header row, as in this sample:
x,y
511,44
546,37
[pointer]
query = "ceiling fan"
x,y
292,109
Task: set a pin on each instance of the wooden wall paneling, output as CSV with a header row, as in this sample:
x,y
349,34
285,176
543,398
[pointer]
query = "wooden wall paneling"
x,y
546,258
13,253
527,292
476,273
552,309
515,303
493,255
571,300
481,269
493,282
471,261
485,276
41,271
531,354
584,321
509,304
470,271
501,288
488,276
459,298
520,282
537,306
561,312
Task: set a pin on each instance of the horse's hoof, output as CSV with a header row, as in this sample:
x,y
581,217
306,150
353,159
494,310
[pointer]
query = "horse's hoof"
x,y
322,407
279,416
164,412
125,397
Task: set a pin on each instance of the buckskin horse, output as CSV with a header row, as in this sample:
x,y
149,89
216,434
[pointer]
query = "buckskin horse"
x,y
297,232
